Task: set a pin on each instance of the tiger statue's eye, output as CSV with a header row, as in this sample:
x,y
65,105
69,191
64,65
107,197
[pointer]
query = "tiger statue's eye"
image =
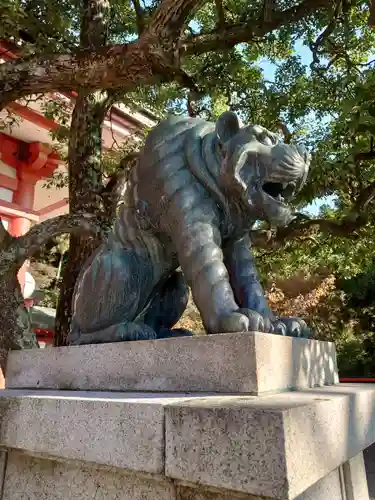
x,y
265,139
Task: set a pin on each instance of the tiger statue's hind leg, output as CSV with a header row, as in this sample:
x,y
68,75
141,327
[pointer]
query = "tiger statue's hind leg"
x,y
168,306
141,305
107,296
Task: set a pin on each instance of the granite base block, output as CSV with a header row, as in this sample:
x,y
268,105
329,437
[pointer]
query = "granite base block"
x,y
328,488
120,430
274,446
35,478
369,458
247,363
355,480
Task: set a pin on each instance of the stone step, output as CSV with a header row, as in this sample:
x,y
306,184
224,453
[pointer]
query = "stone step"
x,y
248,363
276,446
115,429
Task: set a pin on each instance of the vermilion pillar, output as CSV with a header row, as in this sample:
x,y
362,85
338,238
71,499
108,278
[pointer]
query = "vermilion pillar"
x,y
24,198
33,162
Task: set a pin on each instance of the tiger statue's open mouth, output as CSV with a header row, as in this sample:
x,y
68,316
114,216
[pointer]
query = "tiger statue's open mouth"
x,y
280,192
268,172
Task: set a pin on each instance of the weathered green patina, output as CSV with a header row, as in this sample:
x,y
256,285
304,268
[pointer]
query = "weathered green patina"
x,y
190,202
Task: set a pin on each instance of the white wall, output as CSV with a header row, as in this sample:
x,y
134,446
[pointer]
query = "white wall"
x,y
6,194
7,170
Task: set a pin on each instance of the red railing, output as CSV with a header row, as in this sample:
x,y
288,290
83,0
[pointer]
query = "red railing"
x,y
355,380
44,335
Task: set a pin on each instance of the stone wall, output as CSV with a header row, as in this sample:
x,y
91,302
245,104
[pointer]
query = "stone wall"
x,y
244,416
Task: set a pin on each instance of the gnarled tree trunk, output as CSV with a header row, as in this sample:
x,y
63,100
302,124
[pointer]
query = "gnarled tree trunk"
x,y
85,170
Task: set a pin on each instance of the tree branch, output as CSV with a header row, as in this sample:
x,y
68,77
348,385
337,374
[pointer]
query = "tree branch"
x,y
344,228
28,244
304,227
171,16
139,16
113,191
220,13
269,6
150,59
365,197
282,126
371,7
325,34
109,67
192,99
364,156
153,58
252,30
94,25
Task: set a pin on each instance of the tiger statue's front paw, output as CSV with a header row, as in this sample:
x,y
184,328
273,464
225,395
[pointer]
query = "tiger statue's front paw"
x,y
247,320
243,320
291,327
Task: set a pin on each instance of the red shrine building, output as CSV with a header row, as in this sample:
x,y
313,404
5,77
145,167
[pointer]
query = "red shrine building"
x,y
29,157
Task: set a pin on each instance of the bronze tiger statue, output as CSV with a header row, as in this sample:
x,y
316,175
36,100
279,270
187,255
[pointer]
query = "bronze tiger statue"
x,y
188,207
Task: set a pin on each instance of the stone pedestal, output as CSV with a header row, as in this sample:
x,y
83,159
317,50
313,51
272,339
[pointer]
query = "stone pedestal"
x,y
232,416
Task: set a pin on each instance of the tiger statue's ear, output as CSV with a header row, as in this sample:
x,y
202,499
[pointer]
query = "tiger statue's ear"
x,y
227,126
